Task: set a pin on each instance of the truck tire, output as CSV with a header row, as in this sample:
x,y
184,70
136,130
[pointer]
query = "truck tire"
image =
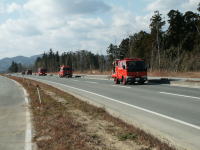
x,y
124,82
116,81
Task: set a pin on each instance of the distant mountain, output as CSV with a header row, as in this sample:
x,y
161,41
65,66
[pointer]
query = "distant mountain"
x,y
6,62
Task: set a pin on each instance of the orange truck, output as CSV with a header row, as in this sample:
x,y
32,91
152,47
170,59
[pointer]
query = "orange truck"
x,y
129,71
65,71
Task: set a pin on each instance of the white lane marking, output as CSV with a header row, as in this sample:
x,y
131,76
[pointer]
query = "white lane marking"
x,y
28,132
133,106
128,87
91,82
28,135
180,95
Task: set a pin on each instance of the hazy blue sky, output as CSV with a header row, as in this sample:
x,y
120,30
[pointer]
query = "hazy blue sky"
x,y
29,27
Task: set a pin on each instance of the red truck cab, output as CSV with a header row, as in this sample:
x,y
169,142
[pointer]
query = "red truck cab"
x,y
42,72
129,71
65,71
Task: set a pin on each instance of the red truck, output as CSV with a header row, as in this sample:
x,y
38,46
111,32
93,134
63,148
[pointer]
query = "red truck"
x,y
42,72
65,71
129,71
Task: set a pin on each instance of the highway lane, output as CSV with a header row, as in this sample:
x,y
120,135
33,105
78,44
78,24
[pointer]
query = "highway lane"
x,y
13,116
170,112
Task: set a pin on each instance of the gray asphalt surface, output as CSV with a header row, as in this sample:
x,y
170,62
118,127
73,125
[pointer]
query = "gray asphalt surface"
x,y
12,116
171,113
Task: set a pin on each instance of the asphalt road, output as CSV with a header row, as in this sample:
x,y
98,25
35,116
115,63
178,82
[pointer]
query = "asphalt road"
x,y
13,116
170,113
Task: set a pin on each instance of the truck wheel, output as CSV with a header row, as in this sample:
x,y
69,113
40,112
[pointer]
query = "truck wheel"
x,y
124,81
116,81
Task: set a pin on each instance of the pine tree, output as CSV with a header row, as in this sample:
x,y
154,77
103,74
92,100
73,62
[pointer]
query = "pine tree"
x,y
156,32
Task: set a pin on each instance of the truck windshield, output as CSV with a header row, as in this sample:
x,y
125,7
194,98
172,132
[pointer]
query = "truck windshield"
x,y
67,69
43,70
133,66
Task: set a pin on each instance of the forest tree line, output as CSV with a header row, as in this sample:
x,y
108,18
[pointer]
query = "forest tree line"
x,y
175,49
16,67
80,61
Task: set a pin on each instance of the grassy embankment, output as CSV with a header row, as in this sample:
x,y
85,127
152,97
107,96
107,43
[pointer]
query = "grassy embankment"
x,y
63,122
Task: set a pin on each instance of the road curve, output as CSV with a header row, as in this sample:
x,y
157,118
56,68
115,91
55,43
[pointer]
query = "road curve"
x,y
13,116
171,113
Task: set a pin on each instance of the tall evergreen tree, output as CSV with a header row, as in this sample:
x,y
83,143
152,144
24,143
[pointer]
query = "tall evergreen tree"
x,y
16,67
112,52
156,26
176,27
124,48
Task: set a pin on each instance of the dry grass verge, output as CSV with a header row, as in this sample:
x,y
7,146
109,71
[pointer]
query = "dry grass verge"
x,y
64,122
175,74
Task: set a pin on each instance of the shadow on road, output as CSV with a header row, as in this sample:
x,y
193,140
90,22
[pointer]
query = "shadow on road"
x,y
160,81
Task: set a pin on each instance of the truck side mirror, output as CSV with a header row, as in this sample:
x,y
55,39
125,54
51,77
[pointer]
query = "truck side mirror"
x,y
124,67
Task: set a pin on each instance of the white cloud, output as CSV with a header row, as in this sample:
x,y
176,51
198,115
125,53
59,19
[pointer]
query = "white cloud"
x,y
2,8
124,22
65,7
50,24
72,25
13,7
49,27
83,23
165,6
190,5
20,27
9,8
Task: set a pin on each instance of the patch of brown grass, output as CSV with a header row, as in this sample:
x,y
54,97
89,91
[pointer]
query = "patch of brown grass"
x,y
175,74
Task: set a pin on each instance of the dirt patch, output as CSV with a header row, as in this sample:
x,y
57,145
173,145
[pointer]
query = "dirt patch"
x,y
63,122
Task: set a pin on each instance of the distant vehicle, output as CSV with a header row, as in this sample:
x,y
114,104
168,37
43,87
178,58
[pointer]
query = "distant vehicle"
x,y
129,71
42,72
23,72
29,72
65,71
